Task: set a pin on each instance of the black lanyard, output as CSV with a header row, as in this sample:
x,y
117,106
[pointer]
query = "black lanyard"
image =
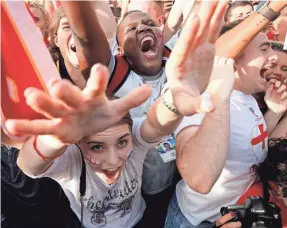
x,y
82,185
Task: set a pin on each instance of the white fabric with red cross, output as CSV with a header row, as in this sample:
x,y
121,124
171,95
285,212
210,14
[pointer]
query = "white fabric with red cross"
x,y
247,147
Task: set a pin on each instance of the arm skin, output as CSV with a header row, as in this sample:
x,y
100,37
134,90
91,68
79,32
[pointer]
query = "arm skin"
x,y
106,18
281,129
233,42
30,162
199,146
160,120
91,42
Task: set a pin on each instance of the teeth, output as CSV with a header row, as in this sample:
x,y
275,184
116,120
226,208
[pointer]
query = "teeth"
x,y
148,38
111,170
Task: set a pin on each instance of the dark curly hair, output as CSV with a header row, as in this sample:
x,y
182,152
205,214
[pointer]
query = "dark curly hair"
x,y
274,168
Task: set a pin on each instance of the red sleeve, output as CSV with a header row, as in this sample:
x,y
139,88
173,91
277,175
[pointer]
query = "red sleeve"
x,y
119,74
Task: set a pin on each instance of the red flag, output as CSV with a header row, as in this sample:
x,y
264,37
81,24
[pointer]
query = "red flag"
x,y
26,61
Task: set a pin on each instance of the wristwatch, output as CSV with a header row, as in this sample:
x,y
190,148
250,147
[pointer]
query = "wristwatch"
x,y
268,13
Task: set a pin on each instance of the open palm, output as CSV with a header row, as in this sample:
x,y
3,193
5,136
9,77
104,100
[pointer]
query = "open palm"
x,y
190,65
71,113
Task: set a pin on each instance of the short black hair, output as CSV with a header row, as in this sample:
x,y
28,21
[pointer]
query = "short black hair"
x,y
277,46
233,5
124,16
274,167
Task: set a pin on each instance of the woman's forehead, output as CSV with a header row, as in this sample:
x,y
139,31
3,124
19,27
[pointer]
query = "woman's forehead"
x,y
111,134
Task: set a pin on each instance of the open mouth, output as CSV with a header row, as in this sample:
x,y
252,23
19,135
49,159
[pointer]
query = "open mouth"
x,y
272,76
111,173
268,75
148,46
72,52
73,48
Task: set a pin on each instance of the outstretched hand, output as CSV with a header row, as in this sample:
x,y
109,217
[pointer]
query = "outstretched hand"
x,y
190,65
71,113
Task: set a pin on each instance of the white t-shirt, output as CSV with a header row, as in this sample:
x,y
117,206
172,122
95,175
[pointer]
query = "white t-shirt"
x,y
157,175
119,205
247,146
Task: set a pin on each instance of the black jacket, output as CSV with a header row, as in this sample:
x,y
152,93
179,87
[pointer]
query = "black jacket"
x,y
27,202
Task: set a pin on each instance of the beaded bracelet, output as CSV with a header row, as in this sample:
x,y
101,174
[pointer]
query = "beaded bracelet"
x,y
166,104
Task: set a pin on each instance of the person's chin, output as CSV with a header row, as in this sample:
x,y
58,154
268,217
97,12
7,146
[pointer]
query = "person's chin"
x,y
152,65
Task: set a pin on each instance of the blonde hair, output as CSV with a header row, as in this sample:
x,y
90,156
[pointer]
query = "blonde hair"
x,y
38,5
54,26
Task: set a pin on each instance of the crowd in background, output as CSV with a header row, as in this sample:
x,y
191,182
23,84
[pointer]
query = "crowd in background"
x,y
184,113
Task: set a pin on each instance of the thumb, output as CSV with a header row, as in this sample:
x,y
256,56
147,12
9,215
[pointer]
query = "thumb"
x,y
97,82
206,105
134,99
198,104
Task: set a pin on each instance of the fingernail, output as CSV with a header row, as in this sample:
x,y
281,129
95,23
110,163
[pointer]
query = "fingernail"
x,y
233,214
97,67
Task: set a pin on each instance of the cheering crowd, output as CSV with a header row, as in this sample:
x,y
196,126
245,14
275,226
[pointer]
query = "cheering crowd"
x,y
168,111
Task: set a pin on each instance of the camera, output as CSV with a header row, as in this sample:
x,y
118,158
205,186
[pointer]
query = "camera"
x,y
256,212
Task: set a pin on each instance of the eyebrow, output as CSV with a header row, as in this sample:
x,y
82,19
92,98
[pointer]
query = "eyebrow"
x,y
101,143
131,24
147,20
65,23
265,44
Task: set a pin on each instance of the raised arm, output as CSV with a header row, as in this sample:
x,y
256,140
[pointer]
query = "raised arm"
x,y
91,42
202,147
182,95
232,43
71,114
106,18
202,150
